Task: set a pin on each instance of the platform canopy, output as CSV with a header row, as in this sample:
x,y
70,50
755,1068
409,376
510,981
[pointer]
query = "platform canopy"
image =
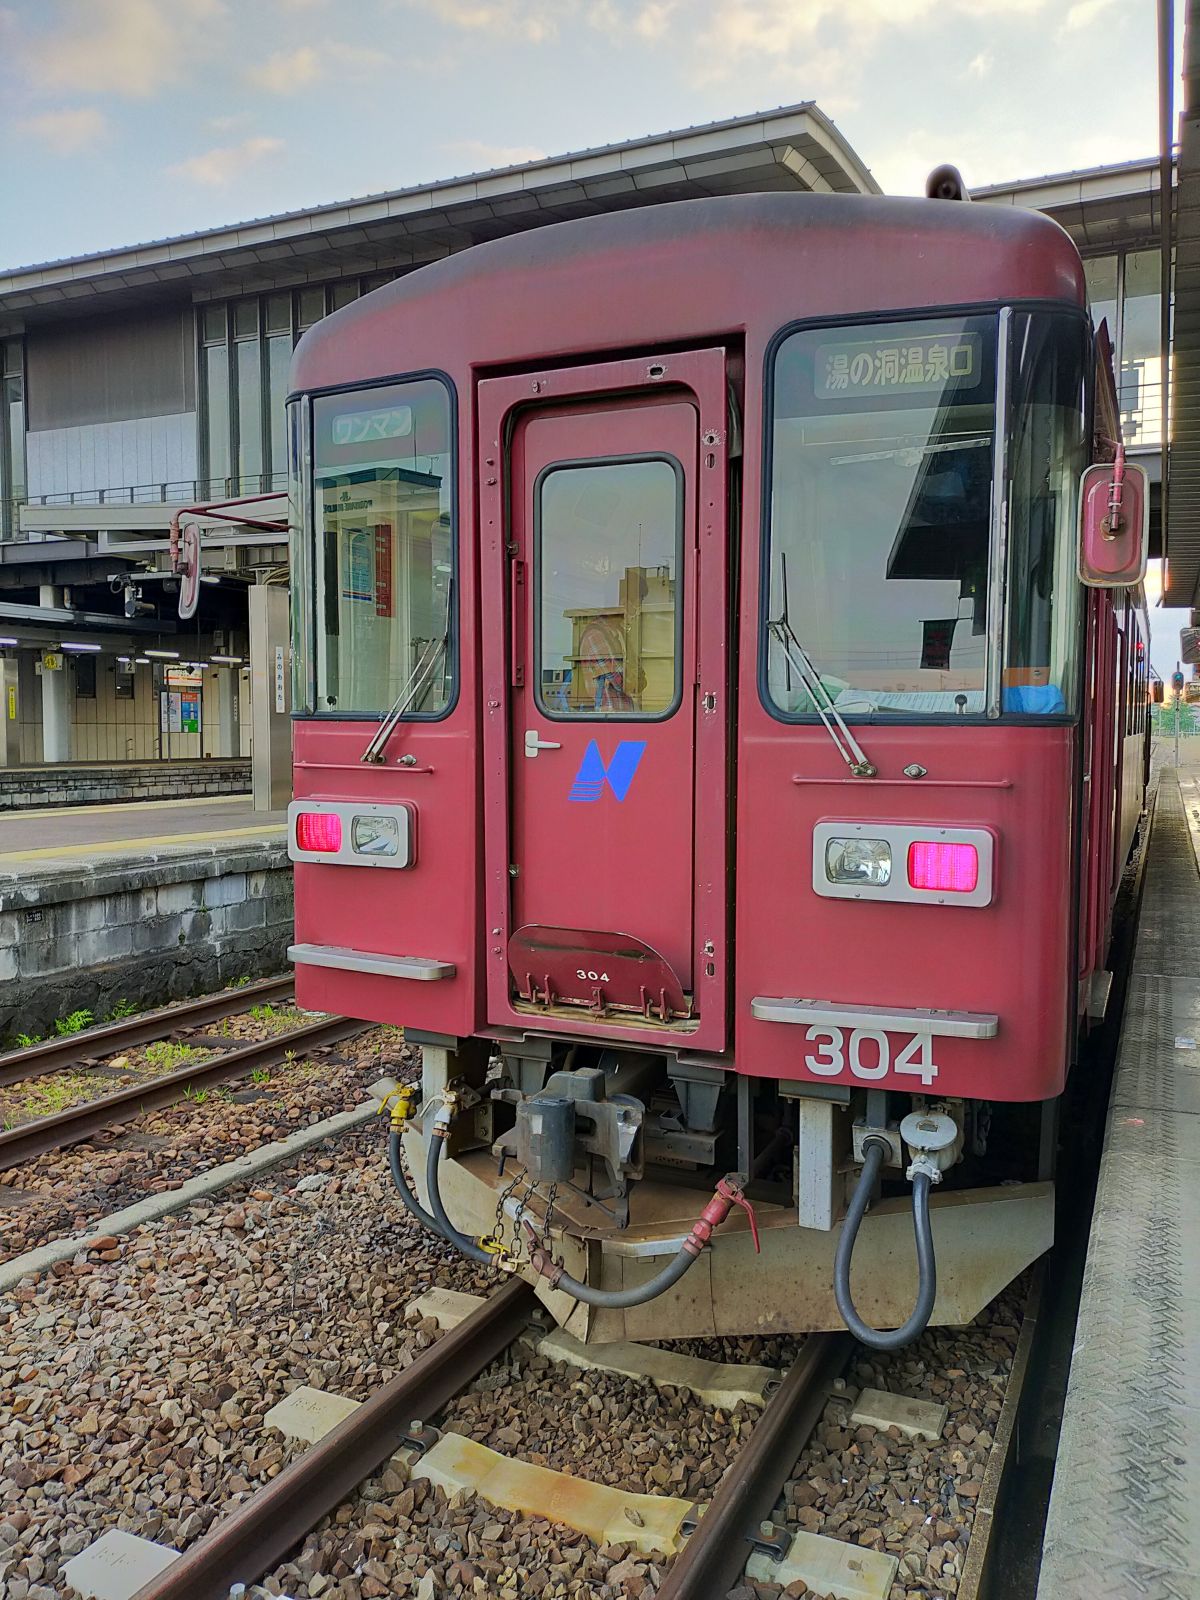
x,y
794,148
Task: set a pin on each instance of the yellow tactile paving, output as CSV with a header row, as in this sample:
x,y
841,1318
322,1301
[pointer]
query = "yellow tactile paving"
x,y
160,841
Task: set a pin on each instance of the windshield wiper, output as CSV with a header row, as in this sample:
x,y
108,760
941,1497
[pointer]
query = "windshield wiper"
x,y
413,691
846,745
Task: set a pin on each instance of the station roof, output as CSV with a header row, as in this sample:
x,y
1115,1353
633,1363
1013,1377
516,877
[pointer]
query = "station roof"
x,y
793,148
1102,208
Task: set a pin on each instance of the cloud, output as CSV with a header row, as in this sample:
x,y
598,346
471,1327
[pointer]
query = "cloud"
x,y
67,131
535,21
289,71
286,72
132,48
979,66
1083,14
216,168
483,157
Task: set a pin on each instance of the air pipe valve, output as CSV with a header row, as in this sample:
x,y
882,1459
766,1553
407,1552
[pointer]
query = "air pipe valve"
x,y
934,1141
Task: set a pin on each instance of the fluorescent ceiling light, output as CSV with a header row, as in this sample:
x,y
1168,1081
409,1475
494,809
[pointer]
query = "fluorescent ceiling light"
x,y
88,647
164,655
225,661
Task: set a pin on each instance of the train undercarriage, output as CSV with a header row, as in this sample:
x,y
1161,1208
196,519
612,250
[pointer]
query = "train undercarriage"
x,y
600,1165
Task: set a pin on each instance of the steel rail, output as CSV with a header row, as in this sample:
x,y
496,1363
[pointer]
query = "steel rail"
x,y
715,1556
52,1055
1001,1462
34,1138
258,1535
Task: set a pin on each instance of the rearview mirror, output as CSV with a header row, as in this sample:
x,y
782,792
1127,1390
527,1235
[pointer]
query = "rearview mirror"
x,y
1114,523
1156,691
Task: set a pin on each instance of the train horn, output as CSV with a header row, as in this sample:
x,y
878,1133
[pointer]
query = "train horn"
x,y
946,183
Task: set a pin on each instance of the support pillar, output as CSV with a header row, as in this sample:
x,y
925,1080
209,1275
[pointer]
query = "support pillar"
x,y
229,737
270,700
56,699
10,712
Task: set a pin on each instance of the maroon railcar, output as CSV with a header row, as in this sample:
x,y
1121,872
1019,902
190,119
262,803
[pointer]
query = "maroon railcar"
x,y
706,747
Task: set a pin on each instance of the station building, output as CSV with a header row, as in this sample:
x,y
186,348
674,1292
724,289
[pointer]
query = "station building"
x,y
143,380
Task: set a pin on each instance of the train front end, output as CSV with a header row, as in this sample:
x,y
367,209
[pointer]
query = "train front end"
x,y
697,750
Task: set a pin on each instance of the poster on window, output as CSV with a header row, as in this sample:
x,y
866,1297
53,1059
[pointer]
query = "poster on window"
x,y
936,641
358,566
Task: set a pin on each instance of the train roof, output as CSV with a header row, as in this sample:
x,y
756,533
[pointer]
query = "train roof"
x,y
659,274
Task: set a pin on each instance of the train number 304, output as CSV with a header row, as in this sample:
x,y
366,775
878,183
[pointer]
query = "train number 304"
x,y
867,1054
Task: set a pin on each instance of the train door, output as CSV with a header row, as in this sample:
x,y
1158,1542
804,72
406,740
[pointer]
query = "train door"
x,y
612,849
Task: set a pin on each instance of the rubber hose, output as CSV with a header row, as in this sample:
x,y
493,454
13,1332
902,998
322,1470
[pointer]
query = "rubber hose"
x,y
874,1338
620,1299
445,1227
405,1190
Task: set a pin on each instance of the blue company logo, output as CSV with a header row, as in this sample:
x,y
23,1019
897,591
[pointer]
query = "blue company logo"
x,y
618,774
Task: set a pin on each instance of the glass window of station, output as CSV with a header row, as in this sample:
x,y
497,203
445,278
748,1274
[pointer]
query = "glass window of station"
x,y
880,592
245,352
1125,290
12,436
378,555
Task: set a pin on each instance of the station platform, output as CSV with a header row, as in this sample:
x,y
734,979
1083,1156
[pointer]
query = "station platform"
x,y
64,833
61,783
103,906
1124,1515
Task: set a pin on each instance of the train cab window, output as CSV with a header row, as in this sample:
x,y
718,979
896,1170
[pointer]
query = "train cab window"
x,y
607,545
383,548
882,442
1047,455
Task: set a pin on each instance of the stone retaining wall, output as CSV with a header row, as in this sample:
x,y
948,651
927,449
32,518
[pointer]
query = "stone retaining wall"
x,y
27,788
144,930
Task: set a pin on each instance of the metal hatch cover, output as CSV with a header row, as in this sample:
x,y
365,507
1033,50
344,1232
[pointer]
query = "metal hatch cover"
x,y
602,972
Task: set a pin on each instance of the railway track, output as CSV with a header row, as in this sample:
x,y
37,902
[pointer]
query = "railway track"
x,y
718,1538
93,1044
81,1122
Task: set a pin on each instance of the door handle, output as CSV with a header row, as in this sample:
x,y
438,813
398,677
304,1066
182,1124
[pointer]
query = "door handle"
x,y
533,743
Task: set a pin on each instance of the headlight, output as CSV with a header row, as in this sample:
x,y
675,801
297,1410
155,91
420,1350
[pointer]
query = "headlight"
x,y
375,836
858,861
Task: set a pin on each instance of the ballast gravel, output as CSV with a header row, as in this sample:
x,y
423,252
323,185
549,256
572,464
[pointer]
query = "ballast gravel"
x,y
65,1191
134,1381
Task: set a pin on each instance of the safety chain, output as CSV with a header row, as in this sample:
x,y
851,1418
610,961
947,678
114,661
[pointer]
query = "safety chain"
x,y
522,1217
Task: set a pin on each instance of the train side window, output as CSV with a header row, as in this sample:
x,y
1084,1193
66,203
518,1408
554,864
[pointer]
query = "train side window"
x,y
1048,452
383,548
607,549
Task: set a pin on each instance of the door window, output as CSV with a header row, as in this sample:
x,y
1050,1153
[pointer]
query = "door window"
x,y
607,541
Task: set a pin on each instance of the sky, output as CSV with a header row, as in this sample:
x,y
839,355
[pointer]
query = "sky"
x,y
128,120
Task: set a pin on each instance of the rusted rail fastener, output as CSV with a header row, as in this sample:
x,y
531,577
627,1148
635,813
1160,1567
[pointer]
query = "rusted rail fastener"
x,y
713,1559
258,1535
54,1054
31,1139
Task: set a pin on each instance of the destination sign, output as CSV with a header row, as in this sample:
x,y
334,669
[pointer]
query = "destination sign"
x,y
912,364
360,427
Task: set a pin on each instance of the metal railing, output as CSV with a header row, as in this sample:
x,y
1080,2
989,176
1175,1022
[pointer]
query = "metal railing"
x,y
173,492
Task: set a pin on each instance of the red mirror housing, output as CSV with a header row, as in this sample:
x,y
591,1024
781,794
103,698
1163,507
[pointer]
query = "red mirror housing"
x,y
1114,524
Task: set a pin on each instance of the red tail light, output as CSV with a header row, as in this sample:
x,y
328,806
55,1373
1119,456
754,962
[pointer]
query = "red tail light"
x,y
319,830
943,866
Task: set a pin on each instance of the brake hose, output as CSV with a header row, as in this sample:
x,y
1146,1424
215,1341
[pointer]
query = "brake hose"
x,y
471,1248
874,1150
403,1188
